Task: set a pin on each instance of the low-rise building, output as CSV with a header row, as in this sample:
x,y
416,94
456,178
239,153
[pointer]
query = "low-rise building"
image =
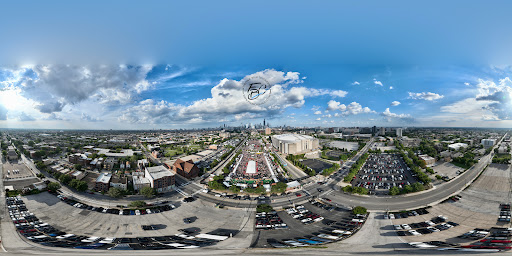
x,y
187,169
161,179
103,182
428,160
488,143
119,182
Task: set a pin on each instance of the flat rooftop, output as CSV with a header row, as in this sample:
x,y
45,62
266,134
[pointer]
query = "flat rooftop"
x,y
251,167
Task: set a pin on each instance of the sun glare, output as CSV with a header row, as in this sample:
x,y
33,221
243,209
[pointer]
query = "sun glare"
x,y
11,100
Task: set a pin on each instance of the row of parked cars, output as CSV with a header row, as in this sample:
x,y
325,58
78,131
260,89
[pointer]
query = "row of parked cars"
x,y
437,224
269,220
504,213
34,230
337,230
497,238
406,214
154,209
303,215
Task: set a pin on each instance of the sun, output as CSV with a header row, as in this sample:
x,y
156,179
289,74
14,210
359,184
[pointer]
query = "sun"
x,y
11,100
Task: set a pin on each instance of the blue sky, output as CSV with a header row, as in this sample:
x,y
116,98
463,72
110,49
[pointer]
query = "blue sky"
x,y
103,65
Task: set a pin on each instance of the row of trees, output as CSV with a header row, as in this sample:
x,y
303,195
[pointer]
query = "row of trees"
x,y
355,190
296,160
415,187
355,168
414,168
333,168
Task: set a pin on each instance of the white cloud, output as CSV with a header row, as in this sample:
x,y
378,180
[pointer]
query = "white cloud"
x,y
353,108
430,96
377,82
319,119
318,112
88,118
356,83
395,103
493,101
393,116
467,84
55,86
227,101
391,87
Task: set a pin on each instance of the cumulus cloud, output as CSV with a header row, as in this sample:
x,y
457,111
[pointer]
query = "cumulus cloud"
x,y
228,102
377,82
430,96
88,118
353,108
391,87
318,112
393,116
25,117
54,86
356,83
395,103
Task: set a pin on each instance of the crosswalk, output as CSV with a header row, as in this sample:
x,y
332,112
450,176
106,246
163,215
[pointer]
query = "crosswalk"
x,y
183,193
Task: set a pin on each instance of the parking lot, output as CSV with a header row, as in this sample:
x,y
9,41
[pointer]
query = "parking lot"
x,y
79,221
448,169
16,170
316,165
383,171
37,230
333,219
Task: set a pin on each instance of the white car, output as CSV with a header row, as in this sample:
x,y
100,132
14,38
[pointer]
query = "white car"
x,y
398,227
65,236
433,229
148,211
430,223
392,216
137,212
107,240
421,245
414,232
406,226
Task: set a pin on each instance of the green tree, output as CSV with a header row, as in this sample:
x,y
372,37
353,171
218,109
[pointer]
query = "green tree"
x,y
148,192
394,191
234,189
53,186
279,187
264,208
115,192
137,204
78,167
81,186
417,187
65,179
359,210
73,183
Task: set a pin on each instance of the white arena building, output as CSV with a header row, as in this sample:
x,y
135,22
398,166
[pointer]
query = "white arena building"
x,y
294,143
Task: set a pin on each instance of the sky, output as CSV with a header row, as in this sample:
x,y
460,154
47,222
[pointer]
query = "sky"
x,y
184,64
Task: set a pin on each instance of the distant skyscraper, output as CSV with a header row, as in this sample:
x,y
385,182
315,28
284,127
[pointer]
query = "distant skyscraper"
x,y
374,130
399,132
264,125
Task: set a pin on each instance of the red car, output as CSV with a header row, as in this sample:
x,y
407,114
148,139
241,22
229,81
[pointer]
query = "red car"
x,y
298,194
